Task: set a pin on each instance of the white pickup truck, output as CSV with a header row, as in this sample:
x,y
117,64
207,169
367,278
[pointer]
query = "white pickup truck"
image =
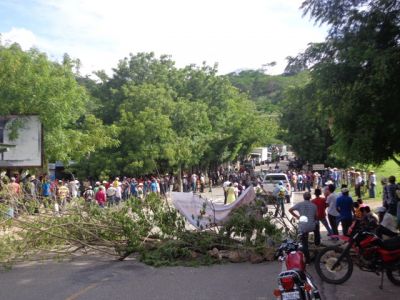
x,y
270,180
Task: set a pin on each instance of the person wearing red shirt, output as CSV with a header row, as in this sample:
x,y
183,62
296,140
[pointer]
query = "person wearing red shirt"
x,y
321,216
101,196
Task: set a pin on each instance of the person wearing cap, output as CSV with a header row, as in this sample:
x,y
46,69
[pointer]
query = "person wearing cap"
x,y
140,192
118,193
280,193
358,184
344,205
106,184
62,194
96,188
225,186
372,184
88,194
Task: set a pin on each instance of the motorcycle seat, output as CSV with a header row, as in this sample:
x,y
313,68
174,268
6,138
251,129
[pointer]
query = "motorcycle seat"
x,y
391,244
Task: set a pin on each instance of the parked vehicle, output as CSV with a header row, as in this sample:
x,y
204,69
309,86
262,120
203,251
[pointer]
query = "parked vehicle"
x,y
270,180
335,264
294,282
261,155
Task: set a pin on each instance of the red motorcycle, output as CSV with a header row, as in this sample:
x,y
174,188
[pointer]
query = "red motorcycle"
x,y
294,283
334,264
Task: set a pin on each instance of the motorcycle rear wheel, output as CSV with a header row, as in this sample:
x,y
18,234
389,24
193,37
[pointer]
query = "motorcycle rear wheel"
x,y
394,276
325,260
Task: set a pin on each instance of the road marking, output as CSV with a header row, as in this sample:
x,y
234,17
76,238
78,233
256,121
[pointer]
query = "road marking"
x,y
82,291
79,293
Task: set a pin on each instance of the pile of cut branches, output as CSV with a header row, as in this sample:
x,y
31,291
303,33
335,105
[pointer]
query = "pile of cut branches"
x,y
149,228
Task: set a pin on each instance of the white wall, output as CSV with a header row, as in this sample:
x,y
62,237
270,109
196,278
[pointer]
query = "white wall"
x,y
28,146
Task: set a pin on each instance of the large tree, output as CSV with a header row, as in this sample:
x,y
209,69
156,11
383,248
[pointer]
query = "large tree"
x,y
170,118
355,75
32,84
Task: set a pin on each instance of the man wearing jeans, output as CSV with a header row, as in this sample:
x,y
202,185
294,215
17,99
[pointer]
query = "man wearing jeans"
x,y
320,203
308,209
344,205
333,214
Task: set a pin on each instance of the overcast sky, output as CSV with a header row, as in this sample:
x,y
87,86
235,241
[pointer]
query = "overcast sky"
x,y
236,34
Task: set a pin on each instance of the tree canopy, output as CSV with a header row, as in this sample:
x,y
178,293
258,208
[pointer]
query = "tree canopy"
x,y
168,118
32,84
354,76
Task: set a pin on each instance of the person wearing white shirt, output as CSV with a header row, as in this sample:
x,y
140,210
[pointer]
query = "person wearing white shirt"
x,y
372,184
118,193
111,195
358,183
225,186
333,214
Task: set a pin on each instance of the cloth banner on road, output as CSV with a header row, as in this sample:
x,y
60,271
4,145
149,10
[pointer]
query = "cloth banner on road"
x,y
203,213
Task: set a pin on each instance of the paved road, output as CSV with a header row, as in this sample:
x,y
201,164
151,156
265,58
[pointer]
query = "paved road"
x,y
87,278
91,277
84,278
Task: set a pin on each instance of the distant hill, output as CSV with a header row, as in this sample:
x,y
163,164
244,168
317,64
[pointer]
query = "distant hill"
x,y
267,91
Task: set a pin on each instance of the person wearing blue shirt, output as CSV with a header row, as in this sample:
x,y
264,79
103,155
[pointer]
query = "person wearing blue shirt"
x,y
46,192
153,186
344,205
134,188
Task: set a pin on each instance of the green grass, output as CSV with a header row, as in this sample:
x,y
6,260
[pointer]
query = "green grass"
x,y
387,169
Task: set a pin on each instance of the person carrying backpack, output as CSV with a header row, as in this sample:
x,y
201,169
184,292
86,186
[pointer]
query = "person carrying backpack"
x,y
280,193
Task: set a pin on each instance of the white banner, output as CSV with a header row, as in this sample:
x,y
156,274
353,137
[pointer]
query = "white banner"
x,y
203,213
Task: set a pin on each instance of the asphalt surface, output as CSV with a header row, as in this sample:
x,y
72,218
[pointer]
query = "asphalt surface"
x,y
85,278
96,277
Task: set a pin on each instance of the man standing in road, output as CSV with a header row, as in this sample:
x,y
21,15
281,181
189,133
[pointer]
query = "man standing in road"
x,y
320,203
333,214
225,186
280,193
62,194
308,209
344,205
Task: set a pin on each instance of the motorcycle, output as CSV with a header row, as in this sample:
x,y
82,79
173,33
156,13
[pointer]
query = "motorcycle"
x,y
334,264
294,283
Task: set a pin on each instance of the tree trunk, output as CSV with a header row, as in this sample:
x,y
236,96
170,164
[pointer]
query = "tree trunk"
x,y
180,178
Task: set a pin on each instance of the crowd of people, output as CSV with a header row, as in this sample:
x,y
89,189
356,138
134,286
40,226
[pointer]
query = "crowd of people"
x,y
44,192
331,208
364,182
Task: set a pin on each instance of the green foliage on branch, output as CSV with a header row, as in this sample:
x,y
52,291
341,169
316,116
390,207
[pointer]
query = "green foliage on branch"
x,y
149,228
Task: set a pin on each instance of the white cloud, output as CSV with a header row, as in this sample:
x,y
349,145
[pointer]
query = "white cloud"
x,y
233,33
24,37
